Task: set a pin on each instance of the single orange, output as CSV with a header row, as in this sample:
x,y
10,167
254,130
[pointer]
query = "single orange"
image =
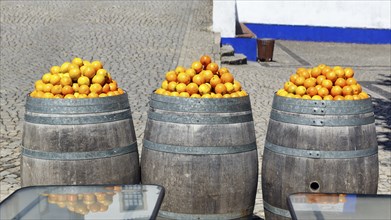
x,y
331,76
213,67
347,90
180,69
311,91
67,90
328,84
172,86
299,81
171,76
310,82
338,98
293,77
227,77
205,60
315,72
323,92
215,80
326,69
349,81
319,79
349,97
222,70
192,88
340,73
84,89
328,97
191,72
181,87
316,97
96,64
55,69
349,72
199,79
220,89
208,74
340,82
197,66
183,78
363,95
336,90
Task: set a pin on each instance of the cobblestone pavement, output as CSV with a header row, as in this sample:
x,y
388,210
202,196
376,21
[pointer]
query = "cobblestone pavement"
x,y
138,42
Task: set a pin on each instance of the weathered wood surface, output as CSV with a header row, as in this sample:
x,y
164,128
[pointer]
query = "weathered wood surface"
x,y
101,149
284,174
209,169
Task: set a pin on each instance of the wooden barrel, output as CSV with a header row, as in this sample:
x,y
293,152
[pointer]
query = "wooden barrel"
x,y
318,146
203,151
79,141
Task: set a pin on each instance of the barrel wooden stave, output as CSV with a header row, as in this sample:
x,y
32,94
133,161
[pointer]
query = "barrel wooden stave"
x,y
340,171
84,141
202,184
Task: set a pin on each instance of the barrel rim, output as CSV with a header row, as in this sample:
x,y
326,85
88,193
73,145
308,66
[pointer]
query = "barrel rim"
x,y
311,102
180,100
71,102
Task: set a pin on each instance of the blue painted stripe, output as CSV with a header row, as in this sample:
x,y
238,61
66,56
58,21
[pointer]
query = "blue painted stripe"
x,y
246,46
321,34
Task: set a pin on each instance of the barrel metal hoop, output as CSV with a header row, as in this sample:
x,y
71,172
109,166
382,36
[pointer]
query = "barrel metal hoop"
x,y
321,107
77,119
103,104
171,100
276,210
315,154
45,155
77,109
200,108
200,119
316,121
199,150
172,215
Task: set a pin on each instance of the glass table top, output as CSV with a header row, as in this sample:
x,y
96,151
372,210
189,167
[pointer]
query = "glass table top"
x,y
319,206
83,202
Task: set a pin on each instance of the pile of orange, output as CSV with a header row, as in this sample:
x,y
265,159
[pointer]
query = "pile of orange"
x,y
82,203
323,83
76,79
204,79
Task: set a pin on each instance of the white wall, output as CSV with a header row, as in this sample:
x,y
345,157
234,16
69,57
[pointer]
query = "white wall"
x,y
356,14
224,17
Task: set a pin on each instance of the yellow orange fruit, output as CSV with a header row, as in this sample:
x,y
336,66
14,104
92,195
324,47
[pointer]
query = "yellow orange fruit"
x,y
315,72
183,78
83,80
299,81
347,90
84,89
323,92
66,80
55,70
192,88
227,77
180,69
215,80
338,98
316,97
205,60
199,79
349,72
96,88
213,67
301,90
96,64
171,76
237,86
207,75
336,90
340,82
74,73
195,95
197,66
311,91
351,81
181,87
328,84
191,72
220,88
204,89
309,82
77,61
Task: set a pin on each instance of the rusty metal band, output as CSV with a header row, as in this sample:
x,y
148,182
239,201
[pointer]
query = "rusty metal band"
x,y
276,210
77,119
321,121
318,154
88,155
199,150
322,107
173,215
77,106
200,119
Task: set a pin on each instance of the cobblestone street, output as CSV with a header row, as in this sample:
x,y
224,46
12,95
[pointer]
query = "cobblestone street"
x,y
138,42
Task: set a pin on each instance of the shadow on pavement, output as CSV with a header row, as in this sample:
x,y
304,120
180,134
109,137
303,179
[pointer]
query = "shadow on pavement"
x,y
382,109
